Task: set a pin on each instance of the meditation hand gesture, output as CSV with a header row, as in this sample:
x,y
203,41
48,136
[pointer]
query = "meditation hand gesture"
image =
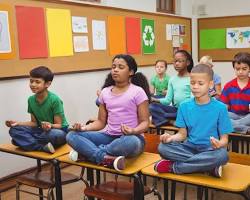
x,y
11,123
216,144
79,127
166,138
46,126
126,129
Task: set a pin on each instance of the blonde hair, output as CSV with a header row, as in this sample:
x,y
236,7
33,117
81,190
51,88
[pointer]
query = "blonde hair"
x,y
206,60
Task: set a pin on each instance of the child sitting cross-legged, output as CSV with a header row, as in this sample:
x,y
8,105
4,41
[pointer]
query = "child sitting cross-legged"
x,y
123,108
200,144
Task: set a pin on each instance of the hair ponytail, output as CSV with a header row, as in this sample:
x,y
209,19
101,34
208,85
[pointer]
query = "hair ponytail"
x,y
140,80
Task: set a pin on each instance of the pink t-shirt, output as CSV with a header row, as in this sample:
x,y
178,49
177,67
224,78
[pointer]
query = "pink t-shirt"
x,y
122,108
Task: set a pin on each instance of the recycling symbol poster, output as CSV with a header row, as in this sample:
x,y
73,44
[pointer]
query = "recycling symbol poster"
x,y
148,36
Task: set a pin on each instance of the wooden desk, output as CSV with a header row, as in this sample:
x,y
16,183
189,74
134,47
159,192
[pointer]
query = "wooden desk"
x,y
235,179
133,167
12,149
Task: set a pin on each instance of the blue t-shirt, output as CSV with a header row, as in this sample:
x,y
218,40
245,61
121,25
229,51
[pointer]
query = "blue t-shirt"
x,y
203,121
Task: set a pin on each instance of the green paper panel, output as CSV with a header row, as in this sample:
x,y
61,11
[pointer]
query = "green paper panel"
x,y
213,39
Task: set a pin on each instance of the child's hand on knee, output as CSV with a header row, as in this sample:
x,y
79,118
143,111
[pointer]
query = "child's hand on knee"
x,y
166,138
11,123
46,126
215,143
126,129
79,127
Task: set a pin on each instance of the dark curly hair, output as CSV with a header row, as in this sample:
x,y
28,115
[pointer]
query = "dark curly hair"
x,y
188,57
42,72
138,78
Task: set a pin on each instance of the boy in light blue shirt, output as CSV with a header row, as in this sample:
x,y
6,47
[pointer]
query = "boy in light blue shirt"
x,y
200,144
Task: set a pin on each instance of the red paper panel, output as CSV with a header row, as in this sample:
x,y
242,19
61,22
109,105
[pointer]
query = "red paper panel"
x,y
133,35
31,32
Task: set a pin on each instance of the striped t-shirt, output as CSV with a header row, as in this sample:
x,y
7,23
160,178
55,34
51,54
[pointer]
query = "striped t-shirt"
x,y
236,98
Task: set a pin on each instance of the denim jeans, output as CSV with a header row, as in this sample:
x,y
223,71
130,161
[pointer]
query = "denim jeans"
x,y
161,113
241,123
189,158
95,145
34,138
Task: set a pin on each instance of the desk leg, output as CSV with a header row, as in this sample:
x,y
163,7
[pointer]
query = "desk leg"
x,y
165,189
90,176
138,188
39,169
173,189
58,182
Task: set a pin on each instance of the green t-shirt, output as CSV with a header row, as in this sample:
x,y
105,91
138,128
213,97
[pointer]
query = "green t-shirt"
x,y
178,91
160,85
46,111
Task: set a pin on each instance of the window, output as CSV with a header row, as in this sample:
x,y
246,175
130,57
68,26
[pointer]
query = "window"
x,y
166,6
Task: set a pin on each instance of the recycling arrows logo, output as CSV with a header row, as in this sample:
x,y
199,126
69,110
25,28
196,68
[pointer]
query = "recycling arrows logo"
x,y
148,36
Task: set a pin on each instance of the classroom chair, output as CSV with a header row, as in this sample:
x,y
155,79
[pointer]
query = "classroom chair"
x,y
162,129
239,143
44,180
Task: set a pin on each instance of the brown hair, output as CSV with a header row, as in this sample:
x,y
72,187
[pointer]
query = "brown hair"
x,y
202,68
164,61
241,57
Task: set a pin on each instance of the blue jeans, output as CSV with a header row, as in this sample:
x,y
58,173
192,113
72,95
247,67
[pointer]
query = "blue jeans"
x,y
189,158
161,113
241,123
95,145
34,138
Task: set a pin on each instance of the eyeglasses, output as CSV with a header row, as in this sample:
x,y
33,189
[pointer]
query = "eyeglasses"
x,y
180,61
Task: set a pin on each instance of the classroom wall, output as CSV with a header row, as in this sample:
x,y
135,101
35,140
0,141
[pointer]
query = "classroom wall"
x,y
78,90
215,8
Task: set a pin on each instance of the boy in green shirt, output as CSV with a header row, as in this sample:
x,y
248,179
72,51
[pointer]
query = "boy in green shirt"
x,y
48,126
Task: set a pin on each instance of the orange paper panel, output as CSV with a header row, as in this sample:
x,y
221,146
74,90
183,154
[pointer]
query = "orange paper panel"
x,y
116,35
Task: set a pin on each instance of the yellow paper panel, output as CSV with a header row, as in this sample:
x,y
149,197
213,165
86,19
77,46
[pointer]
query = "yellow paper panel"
x,y
116,34
12,53
59,32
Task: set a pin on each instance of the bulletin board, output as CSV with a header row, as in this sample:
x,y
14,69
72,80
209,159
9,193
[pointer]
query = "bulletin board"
x,y
93,59
223,54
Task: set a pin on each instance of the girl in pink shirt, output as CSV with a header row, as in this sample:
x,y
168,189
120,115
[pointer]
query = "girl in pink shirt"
x,y
123,109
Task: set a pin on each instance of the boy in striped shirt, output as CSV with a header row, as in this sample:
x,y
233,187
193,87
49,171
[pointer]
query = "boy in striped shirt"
x,y
236,94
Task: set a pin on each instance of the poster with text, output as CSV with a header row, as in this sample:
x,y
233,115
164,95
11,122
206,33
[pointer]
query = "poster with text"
x,y
99,35
5,43
81,43
79,24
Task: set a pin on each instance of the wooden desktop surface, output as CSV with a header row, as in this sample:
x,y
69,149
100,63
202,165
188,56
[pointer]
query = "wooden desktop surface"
x,y
10,148
230,181
133,165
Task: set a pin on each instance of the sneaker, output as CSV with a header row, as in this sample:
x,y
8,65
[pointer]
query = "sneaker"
x,y
75,156
117,163
13,142
216,172
163,166
49,148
